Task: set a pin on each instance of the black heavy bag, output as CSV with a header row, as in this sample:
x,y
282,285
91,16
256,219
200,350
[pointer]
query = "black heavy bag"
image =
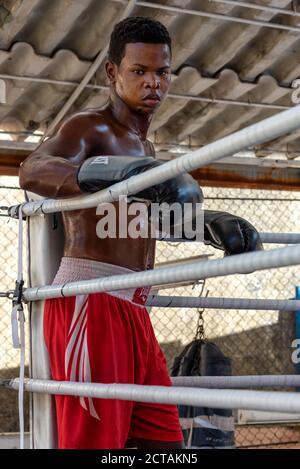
x,y
204,427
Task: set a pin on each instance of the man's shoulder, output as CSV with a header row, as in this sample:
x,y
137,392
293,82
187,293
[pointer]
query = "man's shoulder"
x,y
88,115
85,122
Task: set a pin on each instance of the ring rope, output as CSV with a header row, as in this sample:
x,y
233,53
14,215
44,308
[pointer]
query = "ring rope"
x,y
216,398
237,264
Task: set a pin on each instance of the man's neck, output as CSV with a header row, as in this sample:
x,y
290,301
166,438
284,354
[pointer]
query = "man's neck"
x,y
133,120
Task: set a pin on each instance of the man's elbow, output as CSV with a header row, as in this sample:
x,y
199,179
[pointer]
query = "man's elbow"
x,y
26,175
22,177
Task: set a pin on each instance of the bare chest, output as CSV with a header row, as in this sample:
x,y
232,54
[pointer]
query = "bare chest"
x,y
118,143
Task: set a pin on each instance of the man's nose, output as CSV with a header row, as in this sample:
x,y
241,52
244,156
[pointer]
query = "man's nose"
x,y
153,82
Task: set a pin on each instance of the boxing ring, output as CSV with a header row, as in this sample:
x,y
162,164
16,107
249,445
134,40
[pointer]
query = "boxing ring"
x,y
185,390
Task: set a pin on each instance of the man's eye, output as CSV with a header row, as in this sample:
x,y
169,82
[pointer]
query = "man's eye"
x,y
164,73
139,72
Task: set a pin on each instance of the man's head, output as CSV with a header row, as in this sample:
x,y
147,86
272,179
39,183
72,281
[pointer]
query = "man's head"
x,y
139,62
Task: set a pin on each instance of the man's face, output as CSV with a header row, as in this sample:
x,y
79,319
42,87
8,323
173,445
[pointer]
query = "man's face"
x,y
143,77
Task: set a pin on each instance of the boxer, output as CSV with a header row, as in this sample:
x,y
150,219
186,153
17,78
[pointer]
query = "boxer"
x,y
108,337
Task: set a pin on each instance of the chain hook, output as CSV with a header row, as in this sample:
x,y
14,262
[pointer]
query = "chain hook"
x,y
200,332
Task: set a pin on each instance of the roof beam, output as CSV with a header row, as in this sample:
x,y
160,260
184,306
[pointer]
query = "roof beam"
x,y
250,173
256,6
218,16
235,172
234,102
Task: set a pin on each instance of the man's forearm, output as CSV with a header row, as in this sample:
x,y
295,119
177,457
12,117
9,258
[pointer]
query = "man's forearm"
x,y
49,176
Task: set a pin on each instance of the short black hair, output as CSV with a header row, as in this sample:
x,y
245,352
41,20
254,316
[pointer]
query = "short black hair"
x,y
136,29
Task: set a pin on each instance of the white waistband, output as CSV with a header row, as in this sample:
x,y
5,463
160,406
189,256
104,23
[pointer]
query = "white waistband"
x,y
74,269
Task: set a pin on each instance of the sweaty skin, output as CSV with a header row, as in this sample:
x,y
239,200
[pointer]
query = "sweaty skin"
x,y
119,129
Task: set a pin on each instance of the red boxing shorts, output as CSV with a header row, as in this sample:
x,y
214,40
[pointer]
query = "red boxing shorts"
x,y
105,338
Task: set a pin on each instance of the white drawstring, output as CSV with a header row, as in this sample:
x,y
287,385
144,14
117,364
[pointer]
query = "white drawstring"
x,y
17,318
190,437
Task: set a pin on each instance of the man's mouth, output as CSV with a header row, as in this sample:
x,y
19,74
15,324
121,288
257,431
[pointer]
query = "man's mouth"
x,y
152,99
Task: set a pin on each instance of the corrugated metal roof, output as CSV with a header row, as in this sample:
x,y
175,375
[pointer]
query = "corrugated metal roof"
x,y
239,66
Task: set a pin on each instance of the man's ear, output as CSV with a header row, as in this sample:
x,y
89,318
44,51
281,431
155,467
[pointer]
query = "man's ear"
x,y
111,70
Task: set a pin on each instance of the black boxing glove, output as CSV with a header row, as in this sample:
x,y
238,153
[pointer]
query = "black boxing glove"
x,y
232,234
100,172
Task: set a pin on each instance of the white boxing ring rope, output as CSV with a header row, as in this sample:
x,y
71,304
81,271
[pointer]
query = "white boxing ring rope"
x,y
280,238
267,129
217,398
269,238
230,382
164,301
222,382
240,263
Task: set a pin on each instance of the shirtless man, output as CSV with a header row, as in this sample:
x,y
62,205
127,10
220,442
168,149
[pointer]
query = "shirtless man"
x,y
109,337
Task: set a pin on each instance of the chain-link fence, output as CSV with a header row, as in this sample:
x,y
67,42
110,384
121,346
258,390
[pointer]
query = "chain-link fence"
x,y
258,342
10,194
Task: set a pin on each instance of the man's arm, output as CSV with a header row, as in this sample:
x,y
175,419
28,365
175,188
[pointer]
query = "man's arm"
x,y
51,170
222,230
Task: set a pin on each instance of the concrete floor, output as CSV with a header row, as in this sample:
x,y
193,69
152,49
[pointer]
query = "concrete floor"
x,y
11,441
